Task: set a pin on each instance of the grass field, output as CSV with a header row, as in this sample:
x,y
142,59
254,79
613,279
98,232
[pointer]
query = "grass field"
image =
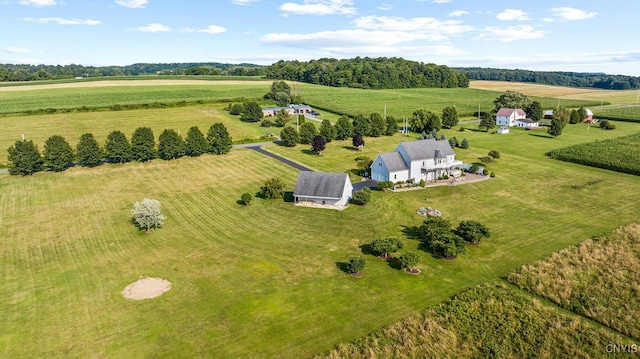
x,y
597,279
263,281
489,321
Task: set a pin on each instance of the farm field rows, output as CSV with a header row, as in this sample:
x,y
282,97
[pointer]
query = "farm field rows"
x,y
263,281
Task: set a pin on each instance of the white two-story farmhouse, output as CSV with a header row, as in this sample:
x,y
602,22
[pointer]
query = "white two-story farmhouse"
x,y
509,116
426,160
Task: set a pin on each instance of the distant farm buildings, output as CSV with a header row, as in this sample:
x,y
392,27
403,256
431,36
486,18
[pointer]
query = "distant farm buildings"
x,y
292,109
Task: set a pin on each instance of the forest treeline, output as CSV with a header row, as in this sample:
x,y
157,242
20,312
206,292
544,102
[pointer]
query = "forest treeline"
x,y
10,72
569,79
365,72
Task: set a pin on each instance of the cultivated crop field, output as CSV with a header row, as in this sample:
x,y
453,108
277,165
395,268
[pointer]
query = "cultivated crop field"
x,y
598,279
620,154
263,281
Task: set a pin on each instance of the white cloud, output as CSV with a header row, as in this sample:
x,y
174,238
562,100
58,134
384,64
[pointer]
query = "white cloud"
x,y
423,25
513,15
320,7
211,29
340,38
38,3
134,4
61,21
509,34
570,14
17,50
456,13
243,2
385,7
154,28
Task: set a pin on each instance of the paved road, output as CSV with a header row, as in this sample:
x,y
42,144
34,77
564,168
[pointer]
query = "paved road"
x,y
368,183
297,166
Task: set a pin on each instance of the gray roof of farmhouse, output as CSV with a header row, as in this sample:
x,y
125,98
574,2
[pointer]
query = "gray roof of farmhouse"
x,y
320,184
394,161
427,149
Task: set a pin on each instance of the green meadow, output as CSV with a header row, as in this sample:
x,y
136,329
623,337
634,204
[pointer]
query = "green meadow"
x,y
264,280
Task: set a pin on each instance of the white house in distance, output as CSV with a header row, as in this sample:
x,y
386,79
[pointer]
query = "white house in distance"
x,y
292,109
426,160
323,188
508,116
525,123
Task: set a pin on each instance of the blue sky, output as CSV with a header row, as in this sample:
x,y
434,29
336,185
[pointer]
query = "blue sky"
x,y
571,35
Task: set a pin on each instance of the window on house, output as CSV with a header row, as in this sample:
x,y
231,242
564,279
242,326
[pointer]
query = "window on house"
x,y
379,163
394,176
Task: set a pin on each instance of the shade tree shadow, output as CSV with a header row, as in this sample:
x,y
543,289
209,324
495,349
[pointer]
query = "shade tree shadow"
x,y
343,267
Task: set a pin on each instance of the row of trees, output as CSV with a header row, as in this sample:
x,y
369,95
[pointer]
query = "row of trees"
x,y
570,79
366,72
26,159
428,121
11,72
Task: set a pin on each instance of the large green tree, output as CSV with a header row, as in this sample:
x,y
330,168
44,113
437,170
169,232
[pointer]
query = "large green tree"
x,y
117,147
534,111
195,144
58,154
272,189
487,121
425,121
24,158
289,136
385,246
282,117
449,116
511,99
170,145
318,144
344,128
252,112
361,126
88,151
307,132
219,139
143,144
472,231
327,130
391,126
276,88
377,125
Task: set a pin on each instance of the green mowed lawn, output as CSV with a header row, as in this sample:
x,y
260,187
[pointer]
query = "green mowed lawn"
x,y
263,281
72,125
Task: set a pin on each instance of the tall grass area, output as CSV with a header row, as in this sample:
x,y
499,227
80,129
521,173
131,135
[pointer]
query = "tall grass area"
x,y
620,154
598,279
488,321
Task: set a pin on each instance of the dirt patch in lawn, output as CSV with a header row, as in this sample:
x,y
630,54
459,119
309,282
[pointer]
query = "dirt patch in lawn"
x,y
146,288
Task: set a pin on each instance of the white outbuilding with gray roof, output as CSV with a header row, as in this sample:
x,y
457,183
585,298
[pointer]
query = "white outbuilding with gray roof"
x,y
323,188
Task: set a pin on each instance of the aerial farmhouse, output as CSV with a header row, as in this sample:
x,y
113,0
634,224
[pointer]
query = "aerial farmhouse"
x,y
509,116
427,160
323,188
292,109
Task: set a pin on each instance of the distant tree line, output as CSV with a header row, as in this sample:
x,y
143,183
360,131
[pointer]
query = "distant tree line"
x,y
11,72
58,155
570,79
365,72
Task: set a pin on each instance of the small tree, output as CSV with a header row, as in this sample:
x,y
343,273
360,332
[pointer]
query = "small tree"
x,y
147,215
327,130
88,151
272,189
246,198
117,148
453,142
574,117
361,197
425,121
344,128
282,99
557,125
357,141
464,144
355,265
170,145
409,260
307,133
385,246
143,144
24,158
449,116
487,121
318,144
236,109
289,137
392,126
377,125
494,153
282,117
472,231
195,143
361,126
582,113
58,154
219,139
